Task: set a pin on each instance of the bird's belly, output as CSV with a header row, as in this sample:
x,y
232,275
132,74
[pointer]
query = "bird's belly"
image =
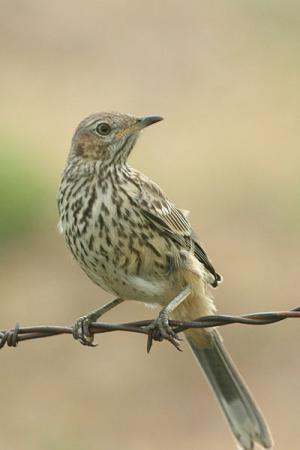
x,y
117,281
125,259
126,274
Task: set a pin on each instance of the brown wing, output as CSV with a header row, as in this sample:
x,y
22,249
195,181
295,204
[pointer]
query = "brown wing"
x,y
164,215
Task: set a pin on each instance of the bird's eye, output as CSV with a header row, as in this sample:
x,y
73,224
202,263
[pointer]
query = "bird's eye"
x,y
103,128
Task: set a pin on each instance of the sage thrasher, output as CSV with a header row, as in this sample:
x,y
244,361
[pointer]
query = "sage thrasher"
x,y
134,243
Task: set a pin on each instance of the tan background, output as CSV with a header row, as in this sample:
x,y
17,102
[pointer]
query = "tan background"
x,y
225,75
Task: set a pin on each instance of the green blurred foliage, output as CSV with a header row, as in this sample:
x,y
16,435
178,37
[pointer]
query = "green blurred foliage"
x,y
23,193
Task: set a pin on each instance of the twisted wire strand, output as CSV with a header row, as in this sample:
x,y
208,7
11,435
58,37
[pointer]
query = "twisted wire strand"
x,y
12,337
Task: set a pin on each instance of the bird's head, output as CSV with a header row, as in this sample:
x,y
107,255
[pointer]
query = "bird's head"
x,y
108,137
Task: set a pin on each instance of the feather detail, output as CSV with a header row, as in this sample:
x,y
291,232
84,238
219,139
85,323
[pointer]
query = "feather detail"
x,y
173,221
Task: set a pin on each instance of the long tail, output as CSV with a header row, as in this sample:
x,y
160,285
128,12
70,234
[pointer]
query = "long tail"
x,y
244,417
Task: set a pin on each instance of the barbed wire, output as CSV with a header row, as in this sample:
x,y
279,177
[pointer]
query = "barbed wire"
x,y
11,337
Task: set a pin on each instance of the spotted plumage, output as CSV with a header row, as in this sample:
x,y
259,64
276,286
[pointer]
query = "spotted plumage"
x,y
134,243
118,223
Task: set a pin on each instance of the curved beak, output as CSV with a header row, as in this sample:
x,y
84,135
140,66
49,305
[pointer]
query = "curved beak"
x,y
148,120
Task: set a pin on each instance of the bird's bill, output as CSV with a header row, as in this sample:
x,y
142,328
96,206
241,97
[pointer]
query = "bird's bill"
x,y
145,121
139,125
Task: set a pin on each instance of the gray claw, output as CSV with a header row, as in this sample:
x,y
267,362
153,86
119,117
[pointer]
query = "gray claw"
x,y
159,330
81,331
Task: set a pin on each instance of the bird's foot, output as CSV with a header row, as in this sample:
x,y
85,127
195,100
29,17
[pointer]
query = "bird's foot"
x,y
81,330
159,330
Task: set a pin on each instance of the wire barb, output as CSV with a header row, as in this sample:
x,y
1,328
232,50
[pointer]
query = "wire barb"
x,y
9,337
12,337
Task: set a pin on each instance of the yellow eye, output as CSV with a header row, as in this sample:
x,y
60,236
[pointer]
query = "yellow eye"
x,y
103,128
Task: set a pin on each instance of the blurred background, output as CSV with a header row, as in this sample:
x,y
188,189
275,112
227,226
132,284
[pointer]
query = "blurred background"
x,y
225,75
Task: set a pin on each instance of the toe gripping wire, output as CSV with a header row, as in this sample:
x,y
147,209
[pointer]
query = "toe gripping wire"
x,y
12,337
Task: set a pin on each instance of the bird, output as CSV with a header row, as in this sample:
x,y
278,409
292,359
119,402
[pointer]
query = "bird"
x,y
135,244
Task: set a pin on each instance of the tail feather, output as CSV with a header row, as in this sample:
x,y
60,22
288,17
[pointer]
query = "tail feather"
x,y
244,417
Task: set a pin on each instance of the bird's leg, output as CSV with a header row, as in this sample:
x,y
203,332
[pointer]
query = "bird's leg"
x,y
160,329
81,328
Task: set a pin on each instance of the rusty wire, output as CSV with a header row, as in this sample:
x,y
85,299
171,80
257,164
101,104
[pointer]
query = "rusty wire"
x,y
12,337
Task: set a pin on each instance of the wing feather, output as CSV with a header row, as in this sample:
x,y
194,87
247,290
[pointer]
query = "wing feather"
x,y
164,215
